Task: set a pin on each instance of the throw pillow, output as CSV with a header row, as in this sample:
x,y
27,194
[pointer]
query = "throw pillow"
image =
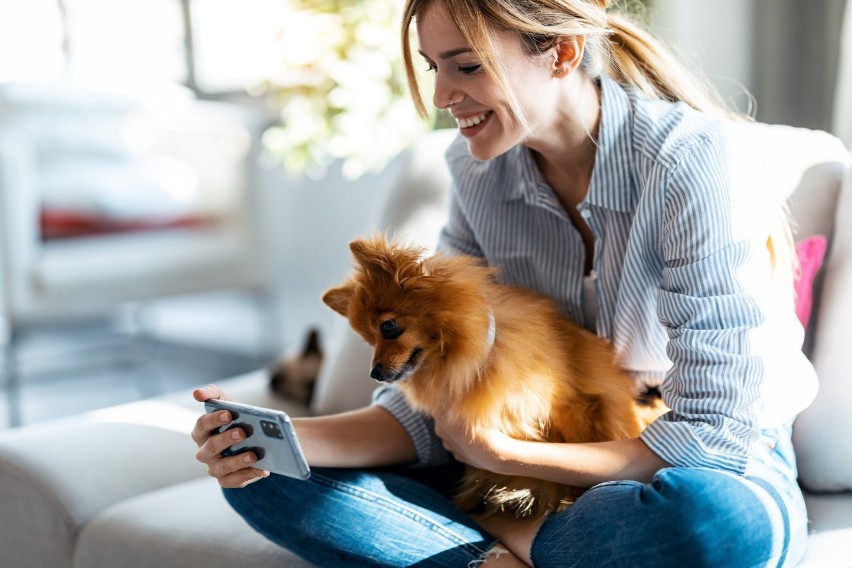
x,y
811,253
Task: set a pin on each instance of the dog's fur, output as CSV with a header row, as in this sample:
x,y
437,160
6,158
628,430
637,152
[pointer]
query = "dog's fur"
x,y
542,379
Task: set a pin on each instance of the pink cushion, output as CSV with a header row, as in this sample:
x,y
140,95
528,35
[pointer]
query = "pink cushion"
x,y
811,252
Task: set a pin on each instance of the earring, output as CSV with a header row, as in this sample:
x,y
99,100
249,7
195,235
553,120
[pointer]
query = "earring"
x,y
557,72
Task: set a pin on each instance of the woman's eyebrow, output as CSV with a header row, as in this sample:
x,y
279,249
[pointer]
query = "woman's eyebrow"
x,y
451,53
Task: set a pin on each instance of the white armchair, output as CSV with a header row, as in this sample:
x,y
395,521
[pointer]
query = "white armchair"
x,y
182,169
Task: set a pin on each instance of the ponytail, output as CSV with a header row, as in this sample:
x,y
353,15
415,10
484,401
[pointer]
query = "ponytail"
x,y
637,58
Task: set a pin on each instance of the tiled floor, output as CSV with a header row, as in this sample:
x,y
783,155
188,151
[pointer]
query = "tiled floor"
x,y
186,342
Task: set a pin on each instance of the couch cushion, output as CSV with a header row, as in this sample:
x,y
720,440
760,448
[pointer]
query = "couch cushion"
x,y
823,446
149,531
55,477
830,528
810,252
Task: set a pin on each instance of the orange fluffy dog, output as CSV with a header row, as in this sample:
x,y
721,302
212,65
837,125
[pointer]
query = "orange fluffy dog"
x,y
496,356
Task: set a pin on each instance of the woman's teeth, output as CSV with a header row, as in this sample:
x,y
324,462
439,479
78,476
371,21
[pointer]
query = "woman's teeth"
x,y
469,121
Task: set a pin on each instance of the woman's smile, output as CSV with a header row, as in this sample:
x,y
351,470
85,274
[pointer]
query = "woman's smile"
x,y
471,124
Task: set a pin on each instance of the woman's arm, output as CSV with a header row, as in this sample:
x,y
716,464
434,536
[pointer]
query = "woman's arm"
x,y
580,465
367,437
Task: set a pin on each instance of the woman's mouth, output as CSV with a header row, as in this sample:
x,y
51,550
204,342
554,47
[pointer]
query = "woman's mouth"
x,y
471,124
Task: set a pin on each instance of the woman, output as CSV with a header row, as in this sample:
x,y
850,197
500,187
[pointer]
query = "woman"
x,y
593,169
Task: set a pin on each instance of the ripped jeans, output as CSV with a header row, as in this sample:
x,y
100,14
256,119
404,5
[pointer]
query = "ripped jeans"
x,y
404,517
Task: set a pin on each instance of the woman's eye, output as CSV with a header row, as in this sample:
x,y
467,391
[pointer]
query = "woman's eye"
x,y
390,329
432,67
470,69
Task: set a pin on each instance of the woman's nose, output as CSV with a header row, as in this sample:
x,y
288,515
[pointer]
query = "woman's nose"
x,y
445,93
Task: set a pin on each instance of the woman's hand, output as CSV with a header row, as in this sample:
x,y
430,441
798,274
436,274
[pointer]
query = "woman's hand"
x,y
231,471
487,449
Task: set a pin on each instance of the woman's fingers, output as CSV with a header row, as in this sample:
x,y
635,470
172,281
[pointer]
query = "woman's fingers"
x,y
230,471
242,477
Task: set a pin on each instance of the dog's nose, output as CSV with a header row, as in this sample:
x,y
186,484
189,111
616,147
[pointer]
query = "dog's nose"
x,y
377,372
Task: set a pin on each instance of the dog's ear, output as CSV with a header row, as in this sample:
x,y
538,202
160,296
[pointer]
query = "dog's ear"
x,y
369,254
338,299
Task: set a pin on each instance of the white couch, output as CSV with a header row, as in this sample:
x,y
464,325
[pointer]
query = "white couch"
x,y
120,487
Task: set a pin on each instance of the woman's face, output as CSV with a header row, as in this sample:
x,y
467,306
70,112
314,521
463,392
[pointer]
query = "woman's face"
x,y
479,106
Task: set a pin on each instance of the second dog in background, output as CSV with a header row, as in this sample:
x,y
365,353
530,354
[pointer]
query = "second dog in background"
x,y
492,355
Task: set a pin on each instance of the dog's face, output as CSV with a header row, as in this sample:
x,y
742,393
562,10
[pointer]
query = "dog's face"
x,y
410,311
386,301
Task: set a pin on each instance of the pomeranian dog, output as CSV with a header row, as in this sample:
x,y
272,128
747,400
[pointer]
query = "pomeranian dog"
x,y
492,355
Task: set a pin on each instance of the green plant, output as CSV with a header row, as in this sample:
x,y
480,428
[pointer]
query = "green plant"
x,y
341,92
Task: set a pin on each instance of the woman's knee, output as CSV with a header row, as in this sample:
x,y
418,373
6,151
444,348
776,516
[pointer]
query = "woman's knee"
x,y
711,518
721,510
684,517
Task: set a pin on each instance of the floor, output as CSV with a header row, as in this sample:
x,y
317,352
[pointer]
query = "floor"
x,y
175,344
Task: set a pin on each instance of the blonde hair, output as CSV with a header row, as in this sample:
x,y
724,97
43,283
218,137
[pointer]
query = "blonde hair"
x,y
614,45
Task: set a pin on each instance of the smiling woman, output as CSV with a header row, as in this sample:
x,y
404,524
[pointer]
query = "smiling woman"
x,y
592,168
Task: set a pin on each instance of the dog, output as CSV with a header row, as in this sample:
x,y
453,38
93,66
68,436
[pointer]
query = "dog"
x,y
492,355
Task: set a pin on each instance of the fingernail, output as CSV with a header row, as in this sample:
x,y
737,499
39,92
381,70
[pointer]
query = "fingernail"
x,y
247,458
224,416
235,434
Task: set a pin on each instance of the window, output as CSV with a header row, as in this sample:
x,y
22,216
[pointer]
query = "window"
x,y
234,43
126,41
31,36
142,42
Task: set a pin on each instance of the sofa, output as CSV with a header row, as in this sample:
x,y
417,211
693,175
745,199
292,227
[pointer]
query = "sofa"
x,y
120,486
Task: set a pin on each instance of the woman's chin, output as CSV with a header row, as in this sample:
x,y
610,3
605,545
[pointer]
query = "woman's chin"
x,y
485,152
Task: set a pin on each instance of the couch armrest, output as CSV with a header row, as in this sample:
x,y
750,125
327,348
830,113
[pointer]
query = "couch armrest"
x,y
825,458
55,477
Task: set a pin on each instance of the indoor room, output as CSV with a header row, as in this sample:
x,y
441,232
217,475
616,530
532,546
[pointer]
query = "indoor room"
x,y
180,182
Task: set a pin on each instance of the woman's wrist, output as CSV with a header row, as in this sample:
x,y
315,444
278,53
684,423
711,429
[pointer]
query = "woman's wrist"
x,y
514,457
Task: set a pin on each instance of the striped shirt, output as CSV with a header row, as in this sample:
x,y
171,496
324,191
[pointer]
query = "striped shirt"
x,y
683,286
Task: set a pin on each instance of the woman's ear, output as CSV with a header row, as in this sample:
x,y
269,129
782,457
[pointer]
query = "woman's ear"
x,y
568,53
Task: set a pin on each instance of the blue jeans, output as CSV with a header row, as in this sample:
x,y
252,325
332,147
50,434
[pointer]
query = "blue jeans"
x,y
404,517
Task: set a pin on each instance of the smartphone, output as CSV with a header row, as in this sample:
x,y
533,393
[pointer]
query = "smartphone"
x,y
269,434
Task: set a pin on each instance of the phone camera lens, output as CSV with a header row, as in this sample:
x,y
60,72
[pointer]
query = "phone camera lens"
x,y
271,429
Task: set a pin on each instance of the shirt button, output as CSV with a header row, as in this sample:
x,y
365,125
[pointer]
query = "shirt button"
x,y
585,213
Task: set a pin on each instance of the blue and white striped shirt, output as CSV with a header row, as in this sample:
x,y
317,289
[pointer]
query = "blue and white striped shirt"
x,y
683,284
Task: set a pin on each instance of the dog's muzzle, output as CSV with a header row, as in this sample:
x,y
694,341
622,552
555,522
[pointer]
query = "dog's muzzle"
x,y
385,375
379,373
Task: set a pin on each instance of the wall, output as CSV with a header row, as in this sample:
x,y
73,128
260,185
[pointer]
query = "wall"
x,y
713,36
785,52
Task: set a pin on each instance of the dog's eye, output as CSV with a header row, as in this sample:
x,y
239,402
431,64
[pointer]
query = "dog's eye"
x,y
390,329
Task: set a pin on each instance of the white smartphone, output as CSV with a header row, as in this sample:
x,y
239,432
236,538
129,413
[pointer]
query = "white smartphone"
x,y
269,434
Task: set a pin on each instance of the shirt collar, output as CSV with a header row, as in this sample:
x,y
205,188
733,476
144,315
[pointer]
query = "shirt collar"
x,y
612,185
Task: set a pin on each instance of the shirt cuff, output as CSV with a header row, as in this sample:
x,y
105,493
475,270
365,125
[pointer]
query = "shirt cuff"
x,y
421,427
683,444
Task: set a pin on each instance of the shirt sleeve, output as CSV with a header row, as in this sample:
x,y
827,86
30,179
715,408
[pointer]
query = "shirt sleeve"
x,y
707,304
421,427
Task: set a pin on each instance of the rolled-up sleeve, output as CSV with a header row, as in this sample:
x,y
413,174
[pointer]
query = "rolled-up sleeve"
x,y
707,305
421,427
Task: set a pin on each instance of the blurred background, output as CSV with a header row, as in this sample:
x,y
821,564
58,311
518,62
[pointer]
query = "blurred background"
x,y
179,178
